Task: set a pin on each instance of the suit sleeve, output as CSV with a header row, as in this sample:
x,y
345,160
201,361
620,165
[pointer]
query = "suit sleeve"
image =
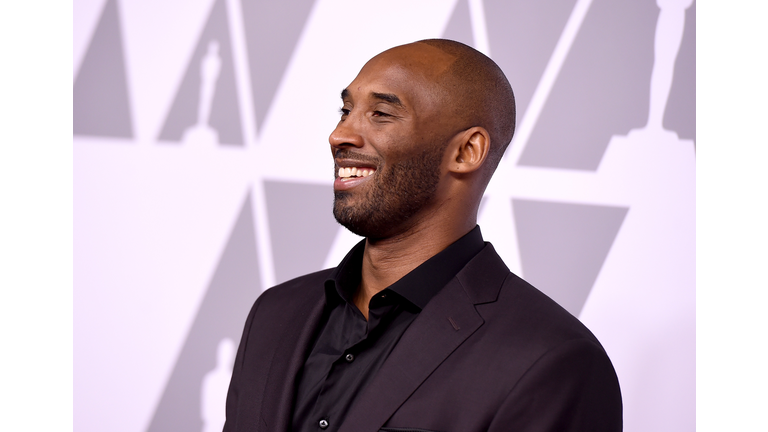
x,y
570,388
234,384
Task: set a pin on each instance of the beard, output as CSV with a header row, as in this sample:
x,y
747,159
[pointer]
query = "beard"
x,y
392,197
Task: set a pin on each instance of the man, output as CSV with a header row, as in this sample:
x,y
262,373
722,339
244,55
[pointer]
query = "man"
x,y
421,327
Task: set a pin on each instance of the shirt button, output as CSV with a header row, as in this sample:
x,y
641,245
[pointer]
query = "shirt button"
x,y
349,358
323,424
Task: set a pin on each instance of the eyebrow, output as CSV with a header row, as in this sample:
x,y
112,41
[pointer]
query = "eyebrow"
x,y
386,97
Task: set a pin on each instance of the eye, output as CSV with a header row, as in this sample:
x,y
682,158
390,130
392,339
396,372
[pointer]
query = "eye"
x,y
344,113
380,114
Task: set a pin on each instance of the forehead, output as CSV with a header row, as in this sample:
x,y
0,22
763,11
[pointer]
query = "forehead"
x,y
411,72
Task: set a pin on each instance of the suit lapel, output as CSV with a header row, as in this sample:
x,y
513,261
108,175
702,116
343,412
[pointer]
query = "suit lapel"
x,y
286,363
444,324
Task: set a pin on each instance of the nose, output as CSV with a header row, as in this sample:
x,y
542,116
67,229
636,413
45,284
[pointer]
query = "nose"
x,y
345,135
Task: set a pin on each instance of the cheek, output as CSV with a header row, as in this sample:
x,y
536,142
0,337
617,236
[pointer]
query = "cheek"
x,y
392,148
401,144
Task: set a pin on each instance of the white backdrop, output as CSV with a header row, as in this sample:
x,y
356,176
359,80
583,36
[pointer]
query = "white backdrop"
x,y
202,176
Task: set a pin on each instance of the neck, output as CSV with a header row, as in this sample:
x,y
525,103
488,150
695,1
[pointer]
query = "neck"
x,y
385,261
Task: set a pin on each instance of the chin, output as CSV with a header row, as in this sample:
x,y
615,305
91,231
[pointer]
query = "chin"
x,y
360,219
347,218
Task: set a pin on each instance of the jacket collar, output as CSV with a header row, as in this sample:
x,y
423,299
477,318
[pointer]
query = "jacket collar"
x,y
419,285
444,324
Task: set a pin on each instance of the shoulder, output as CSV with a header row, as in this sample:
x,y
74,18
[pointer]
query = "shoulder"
x,y
529,307
561,369
523,316
282,304
517,314
541,348
289,299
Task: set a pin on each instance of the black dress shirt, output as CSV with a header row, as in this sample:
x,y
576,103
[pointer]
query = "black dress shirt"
x,y
348,350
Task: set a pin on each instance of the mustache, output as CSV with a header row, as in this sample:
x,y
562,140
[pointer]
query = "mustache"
x,y
342,154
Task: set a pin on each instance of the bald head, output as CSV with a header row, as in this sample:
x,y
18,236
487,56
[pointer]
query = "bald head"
x,y
425,124
473,89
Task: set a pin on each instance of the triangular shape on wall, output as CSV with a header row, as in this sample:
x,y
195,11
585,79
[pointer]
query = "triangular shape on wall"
x,y
101,106
233,289
563,246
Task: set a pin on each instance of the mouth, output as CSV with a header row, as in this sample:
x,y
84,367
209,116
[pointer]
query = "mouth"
x,y
349,173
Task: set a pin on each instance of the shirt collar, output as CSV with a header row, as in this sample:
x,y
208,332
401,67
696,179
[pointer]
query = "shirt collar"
x,y
418,286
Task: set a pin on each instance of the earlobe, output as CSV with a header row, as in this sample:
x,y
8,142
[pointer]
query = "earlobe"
x,y
472,150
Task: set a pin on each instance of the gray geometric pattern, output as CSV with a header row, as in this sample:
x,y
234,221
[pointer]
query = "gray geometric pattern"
x,y
301,226
459,27
602,89
563,246
680,115
225,111
523,29
272,30
100,96
233,288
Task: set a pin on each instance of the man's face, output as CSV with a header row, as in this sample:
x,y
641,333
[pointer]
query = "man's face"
x,y
388,146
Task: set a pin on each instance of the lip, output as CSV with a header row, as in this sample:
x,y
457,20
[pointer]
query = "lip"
x,y
349,163
343,185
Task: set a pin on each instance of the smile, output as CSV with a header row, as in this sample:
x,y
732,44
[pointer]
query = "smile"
x,y
354,172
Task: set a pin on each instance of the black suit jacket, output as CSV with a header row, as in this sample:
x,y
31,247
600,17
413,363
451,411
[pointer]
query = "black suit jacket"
x,y
489,352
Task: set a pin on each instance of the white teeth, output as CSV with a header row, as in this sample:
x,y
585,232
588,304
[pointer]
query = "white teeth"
x,y
354,171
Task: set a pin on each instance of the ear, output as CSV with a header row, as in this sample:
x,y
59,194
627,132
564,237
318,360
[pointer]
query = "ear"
x,y
470,151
